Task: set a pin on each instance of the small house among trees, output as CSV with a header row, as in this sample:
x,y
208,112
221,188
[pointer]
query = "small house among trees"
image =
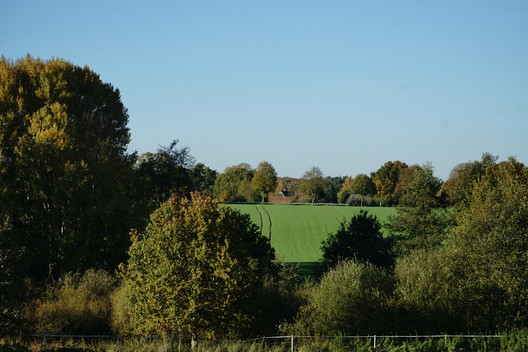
x,y
283,196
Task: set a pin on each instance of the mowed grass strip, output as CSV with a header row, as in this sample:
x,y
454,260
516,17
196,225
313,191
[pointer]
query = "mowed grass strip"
x,y
298,230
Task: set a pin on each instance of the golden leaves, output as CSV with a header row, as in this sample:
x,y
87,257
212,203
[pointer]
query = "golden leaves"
x,y
48,126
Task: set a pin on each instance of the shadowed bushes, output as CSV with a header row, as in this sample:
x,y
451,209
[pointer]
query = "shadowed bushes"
x,y
75,304
351,299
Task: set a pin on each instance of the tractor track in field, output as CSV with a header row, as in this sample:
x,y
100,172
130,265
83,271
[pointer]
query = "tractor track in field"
x,y
340,219
269,217
261,220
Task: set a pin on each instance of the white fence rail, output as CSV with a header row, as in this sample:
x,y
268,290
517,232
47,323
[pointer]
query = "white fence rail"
x,y
291,340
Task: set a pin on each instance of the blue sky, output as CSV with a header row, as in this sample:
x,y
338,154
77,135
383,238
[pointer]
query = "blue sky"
x,y
342,85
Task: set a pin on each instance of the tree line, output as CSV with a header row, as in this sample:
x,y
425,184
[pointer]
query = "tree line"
x,y
94,239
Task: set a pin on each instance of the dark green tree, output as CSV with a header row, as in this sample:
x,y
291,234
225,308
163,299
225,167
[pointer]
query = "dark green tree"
x,y
351,299
203,178
264,179
425,293
11,285
459,186
313,183
359,238
363,186
421,221
333,188
160,175
235,183
197,271
405,178
386,178
489,251
64,174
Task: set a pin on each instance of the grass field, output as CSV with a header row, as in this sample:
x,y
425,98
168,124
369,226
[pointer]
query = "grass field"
x,y
296,231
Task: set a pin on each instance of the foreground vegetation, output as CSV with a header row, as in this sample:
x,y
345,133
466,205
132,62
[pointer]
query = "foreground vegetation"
x,y
511,342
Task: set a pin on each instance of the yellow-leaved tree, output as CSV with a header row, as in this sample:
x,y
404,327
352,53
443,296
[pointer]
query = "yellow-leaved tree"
x,y
198,270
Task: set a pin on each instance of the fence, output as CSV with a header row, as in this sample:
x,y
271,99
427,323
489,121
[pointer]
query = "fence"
x,y
289,342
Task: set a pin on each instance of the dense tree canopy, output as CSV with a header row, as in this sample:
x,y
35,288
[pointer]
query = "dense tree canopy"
x,y
459,186
363,186
334,186
477,280
264,180
161,174
203,178
313,183
360,239
197,270
422,220
351,299
386,178
63,167
490,249
235,183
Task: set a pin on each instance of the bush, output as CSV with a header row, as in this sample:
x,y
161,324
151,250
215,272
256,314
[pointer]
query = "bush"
x,y
423,293
360,239
197,270
120,321
351,299
75,304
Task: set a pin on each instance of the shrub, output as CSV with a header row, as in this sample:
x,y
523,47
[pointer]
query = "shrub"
x,y
423,293
352,298
360,239
75,304
197,270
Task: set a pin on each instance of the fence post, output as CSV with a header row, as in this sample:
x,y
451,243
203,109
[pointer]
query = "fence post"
x,y
291,343
117,343
45,341
375,341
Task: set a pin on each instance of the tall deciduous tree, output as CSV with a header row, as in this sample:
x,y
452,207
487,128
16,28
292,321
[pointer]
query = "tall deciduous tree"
x,y
386,178
264,180
234,183
362,185
313,183
345,191
489,250
421,219
64,173
203,178
197,270
162,174
333,188
459,186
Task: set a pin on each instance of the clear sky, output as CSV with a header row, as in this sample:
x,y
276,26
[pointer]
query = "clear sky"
x,y
342,85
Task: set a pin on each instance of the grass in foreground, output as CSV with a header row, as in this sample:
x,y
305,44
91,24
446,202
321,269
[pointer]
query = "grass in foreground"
x,y
512,342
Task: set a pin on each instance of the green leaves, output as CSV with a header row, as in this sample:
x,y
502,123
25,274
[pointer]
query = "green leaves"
x,y
490,244
360,239
264,180
63,168
351,299
313,183
205,262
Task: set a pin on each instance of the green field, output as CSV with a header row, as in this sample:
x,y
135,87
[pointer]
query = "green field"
x,y
296,231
